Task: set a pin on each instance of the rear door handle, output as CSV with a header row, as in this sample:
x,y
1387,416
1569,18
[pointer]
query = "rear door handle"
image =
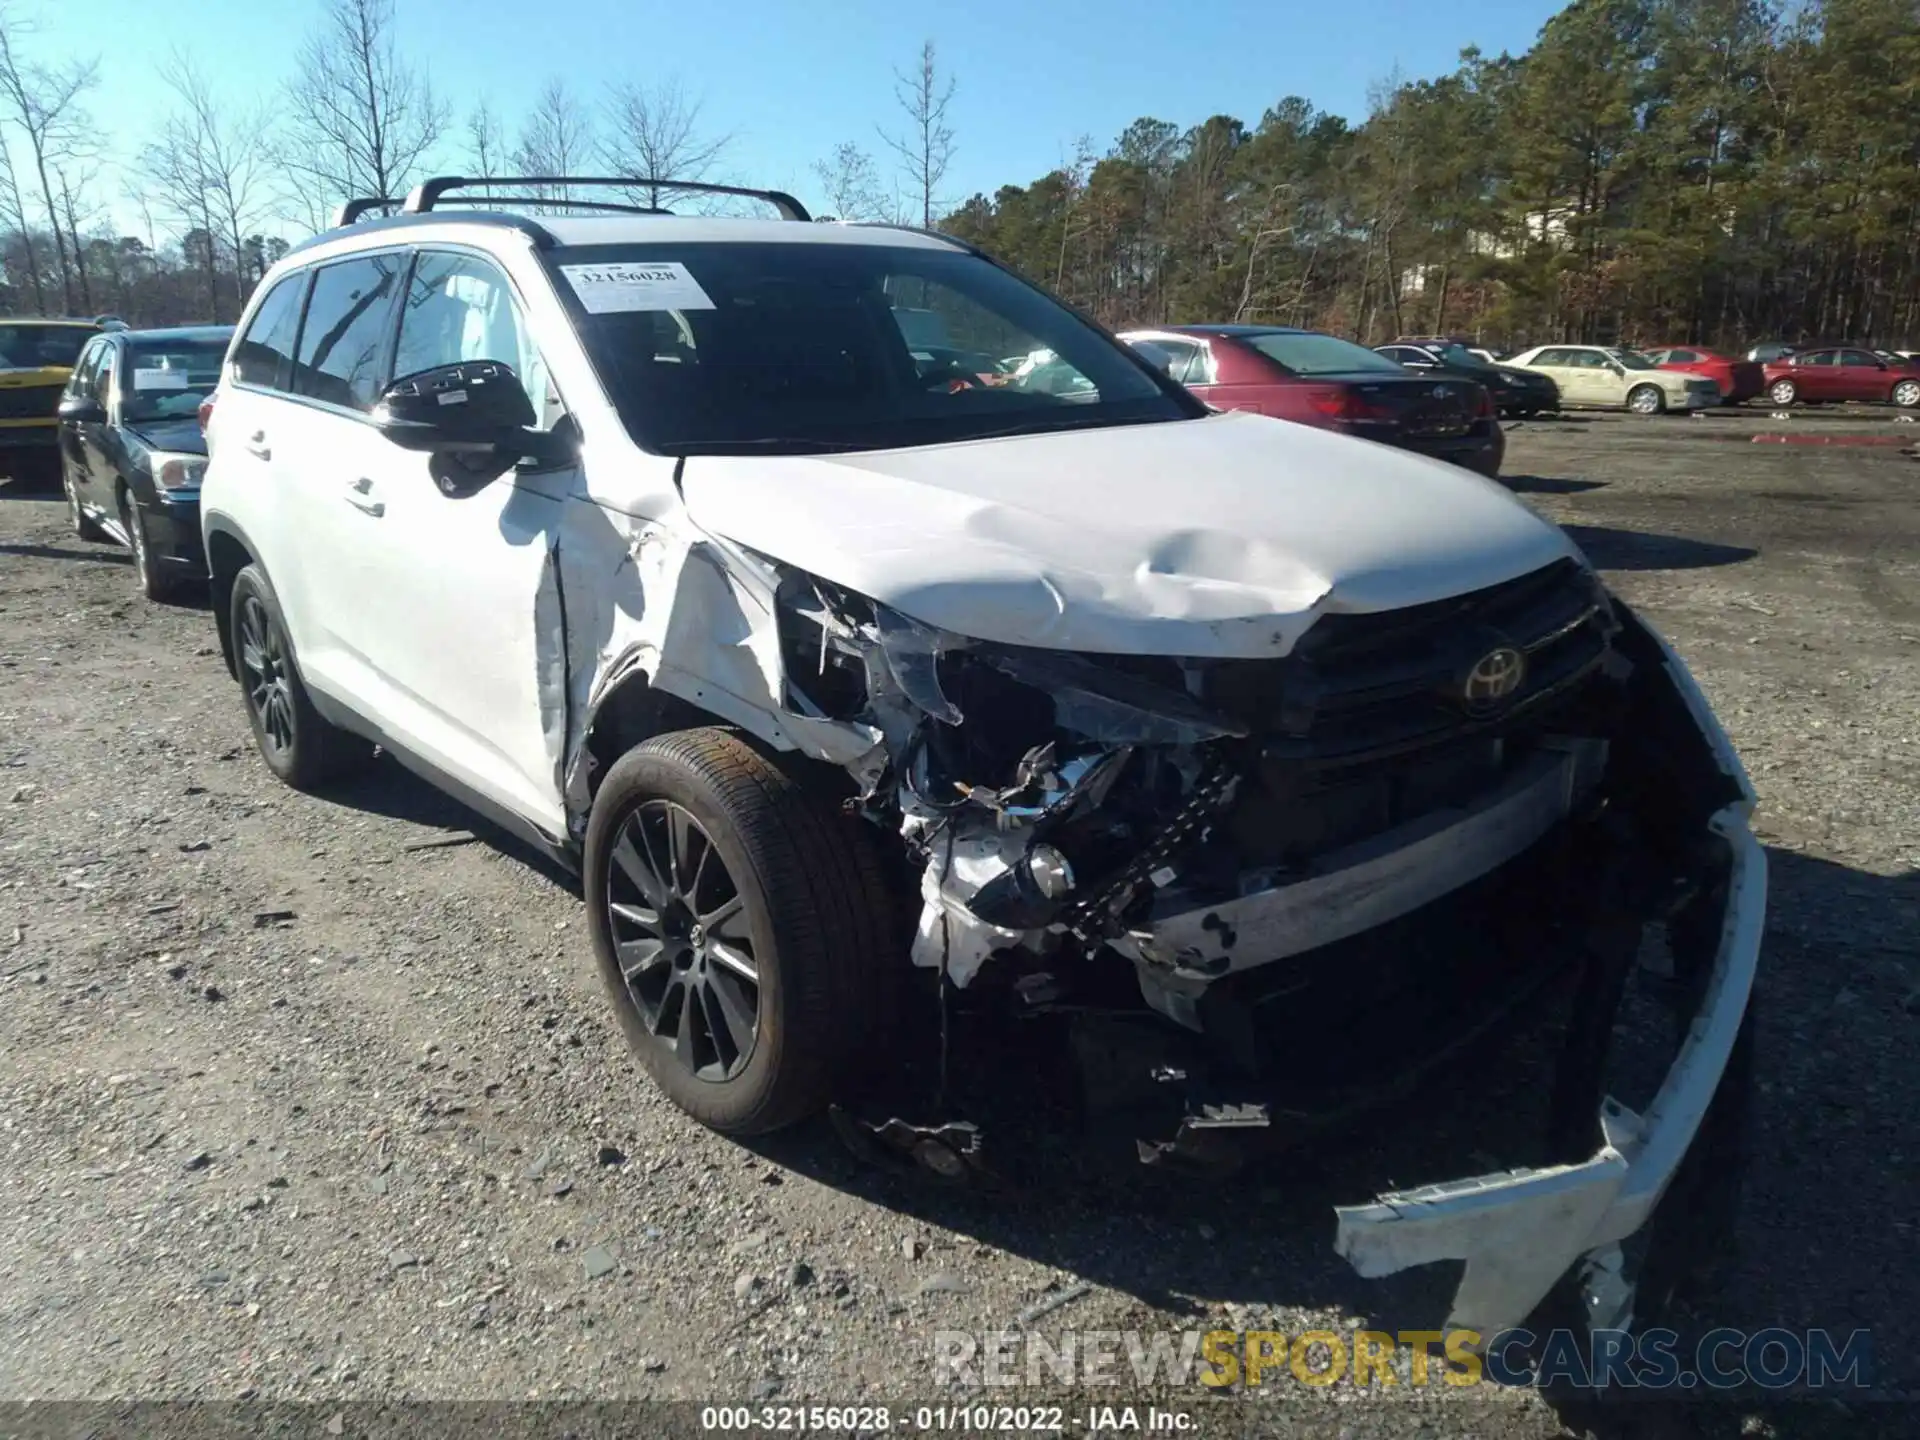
x,y
360,496
257,446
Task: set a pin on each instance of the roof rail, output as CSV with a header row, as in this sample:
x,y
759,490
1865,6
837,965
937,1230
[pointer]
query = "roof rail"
x,y
428,193
365,204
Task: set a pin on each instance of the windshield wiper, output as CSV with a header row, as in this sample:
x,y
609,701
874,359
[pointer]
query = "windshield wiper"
x,y
769,442
1091,422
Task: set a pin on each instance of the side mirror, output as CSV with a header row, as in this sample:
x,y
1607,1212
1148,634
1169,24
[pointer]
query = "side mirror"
x,y
1154,355
83,410
1617,368
477,409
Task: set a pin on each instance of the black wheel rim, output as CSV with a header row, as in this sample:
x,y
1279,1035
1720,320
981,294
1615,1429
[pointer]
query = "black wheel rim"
x,y
263,664
680,935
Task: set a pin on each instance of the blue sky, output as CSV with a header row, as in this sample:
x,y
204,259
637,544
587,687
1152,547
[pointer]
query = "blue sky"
x,y
792,78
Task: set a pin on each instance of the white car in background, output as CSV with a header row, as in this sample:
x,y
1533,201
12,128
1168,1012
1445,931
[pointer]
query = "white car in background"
x,y
1595,376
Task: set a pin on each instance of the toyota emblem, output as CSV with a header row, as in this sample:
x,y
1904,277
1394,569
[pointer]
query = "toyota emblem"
x,y
1495,677
1441,392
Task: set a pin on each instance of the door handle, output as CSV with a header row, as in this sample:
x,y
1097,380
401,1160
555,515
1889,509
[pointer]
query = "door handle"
x,y
257,446
360,496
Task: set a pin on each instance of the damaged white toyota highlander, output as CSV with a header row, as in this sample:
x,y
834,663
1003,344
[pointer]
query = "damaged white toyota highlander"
x,y
862,674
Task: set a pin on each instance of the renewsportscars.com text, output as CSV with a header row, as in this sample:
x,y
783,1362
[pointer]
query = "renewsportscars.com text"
x,y
1653,1359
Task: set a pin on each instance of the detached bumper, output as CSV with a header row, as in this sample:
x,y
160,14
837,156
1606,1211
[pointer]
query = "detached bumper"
x,y
1521,1230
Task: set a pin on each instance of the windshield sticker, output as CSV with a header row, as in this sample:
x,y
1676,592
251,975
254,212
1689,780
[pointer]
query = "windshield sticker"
x,y
160,380
666,285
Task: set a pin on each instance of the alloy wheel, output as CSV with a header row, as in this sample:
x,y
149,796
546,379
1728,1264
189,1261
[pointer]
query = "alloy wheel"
x,y
1907,393
1644,401
681,934
267,681
1782,393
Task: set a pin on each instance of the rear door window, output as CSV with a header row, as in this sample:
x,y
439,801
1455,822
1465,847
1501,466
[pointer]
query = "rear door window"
x,y
265,356
343,341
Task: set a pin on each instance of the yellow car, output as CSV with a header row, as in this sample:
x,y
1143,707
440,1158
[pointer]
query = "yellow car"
x,y
1597,376
36,357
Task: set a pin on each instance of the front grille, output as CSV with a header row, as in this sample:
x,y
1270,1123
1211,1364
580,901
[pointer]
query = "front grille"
x,y
1359,687
30,402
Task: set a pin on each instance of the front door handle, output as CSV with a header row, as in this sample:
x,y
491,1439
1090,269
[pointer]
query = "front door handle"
x,y
360,496
257,446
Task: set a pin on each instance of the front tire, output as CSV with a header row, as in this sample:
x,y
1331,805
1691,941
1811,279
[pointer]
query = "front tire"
x,y
300,747
1783,392
739,925
149,572
83,527
1907,394
1646,400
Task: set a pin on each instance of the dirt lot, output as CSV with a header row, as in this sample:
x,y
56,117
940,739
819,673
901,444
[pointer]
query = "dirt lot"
x,y
299,1101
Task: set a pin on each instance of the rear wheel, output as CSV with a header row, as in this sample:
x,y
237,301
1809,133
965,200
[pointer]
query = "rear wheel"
x,y
300,746
1646,400
1907,394
1783,392
739,925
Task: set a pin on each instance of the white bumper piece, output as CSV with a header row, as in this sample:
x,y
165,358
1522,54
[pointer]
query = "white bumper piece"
x,y
1521,1230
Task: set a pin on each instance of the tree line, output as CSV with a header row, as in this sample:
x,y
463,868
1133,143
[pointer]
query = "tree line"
x,y
1650,170
218,184
1712,171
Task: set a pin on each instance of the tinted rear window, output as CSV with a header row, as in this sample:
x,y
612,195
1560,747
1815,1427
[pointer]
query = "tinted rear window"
x,y
1308,354
265,356
343,341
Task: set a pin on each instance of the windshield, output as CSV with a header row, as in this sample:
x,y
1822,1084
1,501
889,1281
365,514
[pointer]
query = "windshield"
x,y
1310,354
168,381
1460,356
806,348
1633,360
40,347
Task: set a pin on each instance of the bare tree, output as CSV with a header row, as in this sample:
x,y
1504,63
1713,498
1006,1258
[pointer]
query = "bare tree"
x,y
926,149
43,102
654,133
486,144
360,121
851,183
209,173
13,215
556,139
72,178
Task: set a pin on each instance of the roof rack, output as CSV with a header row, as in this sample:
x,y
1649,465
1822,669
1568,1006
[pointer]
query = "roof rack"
x,y
428,193
365,204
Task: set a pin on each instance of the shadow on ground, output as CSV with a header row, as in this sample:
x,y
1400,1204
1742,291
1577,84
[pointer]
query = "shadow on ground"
x,y
100,556
1610,548
1549,485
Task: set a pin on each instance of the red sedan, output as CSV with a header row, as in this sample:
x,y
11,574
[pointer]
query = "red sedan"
x,y
1332,384
1841,373
1739,380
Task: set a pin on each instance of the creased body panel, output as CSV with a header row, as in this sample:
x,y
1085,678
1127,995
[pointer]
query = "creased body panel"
x,y
1224,536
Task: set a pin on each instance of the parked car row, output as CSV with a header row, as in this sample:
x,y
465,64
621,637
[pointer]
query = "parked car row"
x,y
1332,384
862,677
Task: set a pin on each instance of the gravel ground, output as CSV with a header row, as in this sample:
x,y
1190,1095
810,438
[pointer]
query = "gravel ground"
x,y
320,1099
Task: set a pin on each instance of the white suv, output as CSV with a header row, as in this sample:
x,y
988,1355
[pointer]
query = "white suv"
x,y
838,661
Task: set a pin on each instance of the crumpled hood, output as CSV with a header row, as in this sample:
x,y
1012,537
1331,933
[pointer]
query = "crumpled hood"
x,y
1223,536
